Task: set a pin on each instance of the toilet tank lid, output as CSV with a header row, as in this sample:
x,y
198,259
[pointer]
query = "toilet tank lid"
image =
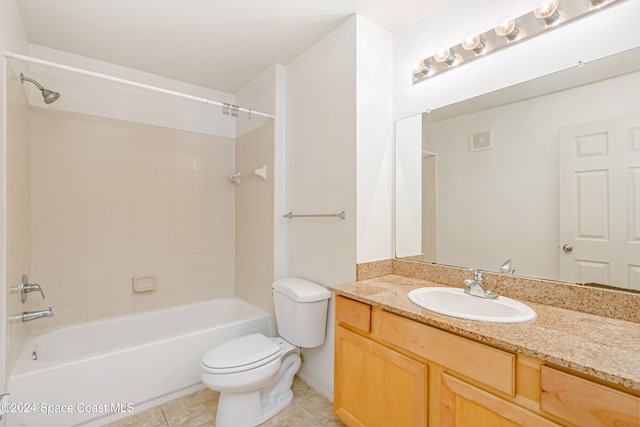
x,y
301,290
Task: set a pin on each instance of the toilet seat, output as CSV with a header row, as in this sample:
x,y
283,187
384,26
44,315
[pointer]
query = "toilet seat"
x,y
241,354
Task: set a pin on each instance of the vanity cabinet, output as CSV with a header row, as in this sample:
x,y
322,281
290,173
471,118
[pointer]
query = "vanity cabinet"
x,y
378,386
394,371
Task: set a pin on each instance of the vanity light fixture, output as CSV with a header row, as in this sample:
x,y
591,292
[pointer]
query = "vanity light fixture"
x,y
547,10
443,54
473,42
547,15
506,27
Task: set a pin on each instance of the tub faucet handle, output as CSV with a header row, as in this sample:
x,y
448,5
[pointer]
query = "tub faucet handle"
x,y
26,287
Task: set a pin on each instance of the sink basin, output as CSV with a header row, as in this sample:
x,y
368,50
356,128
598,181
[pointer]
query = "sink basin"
x,y
454,302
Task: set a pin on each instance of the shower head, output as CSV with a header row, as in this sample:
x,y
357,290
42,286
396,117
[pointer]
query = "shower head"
x,y
48,95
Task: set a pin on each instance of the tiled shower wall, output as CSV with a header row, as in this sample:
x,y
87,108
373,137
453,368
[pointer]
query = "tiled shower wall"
x,y
254,219
114,200
18,217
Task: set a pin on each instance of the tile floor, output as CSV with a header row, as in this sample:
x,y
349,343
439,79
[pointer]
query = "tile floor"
x,y
308,409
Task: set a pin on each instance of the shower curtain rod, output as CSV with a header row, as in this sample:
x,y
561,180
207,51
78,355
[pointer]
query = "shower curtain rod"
x,y
227,107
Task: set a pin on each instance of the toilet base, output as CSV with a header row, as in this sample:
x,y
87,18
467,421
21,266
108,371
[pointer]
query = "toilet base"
x,y
250,408
247,409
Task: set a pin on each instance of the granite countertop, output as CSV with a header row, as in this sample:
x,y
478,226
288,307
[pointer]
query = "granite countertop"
x,y
603,347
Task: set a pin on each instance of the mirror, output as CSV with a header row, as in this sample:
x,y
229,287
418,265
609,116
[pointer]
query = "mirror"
x,y
498,178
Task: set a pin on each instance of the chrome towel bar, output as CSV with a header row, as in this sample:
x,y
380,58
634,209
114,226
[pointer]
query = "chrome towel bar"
x,y
290,215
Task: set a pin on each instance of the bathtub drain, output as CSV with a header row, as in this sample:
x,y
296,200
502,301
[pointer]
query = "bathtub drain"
x,y
34,355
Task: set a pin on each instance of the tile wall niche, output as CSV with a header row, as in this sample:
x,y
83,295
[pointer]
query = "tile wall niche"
x,y
255,218
18,218
114,200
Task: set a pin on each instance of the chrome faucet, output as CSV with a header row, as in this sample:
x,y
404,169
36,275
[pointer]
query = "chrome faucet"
x,y
476,287
27,316
506,267
25,287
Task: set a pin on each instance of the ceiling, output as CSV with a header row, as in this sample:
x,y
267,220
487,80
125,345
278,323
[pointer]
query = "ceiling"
x,y
217,44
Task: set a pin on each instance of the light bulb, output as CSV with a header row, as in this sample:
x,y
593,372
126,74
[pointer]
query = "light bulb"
x,y
419,66
443,54
473,42
547,10
506,27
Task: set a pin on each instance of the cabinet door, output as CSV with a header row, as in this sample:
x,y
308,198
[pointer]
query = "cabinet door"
x,y
376,386
586,403
464,405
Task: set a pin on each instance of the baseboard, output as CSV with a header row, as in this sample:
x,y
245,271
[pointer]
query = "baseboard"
x,y
316,383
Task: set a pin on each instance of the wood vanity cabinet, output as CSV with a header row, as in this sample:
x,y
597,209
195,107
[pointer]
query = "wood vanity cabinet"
x,y
393,371
378,386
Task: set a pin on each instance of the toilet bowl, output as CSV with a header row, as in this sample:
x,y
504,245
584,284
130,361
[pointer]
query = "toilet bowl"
x,y
254,373
256,383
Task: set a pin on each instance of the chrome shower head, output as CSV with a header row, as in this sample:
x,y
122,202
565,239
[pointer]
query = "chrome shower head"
x,y
48,95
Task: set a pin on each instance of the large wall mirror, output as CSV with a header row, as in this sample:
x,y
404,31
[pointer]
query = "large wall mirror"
x,y
545,174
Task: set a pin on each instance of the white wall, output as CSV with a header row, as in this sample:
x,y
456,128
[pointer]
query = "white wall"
x,y
260,95
93,96
320,175
612,30
12,37
374,56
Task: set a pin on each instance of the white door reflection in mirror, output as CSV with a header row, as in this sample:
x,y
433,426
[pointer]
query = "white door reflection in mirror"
x,y
601,224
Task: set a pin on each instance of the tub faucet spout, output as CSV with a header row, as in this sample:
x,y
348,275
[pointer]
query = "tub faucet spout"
x,y
27,316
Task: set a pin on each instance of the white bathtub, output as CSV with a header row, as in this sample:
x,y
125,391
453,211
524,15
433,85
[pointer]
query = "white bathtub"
x,y
96,372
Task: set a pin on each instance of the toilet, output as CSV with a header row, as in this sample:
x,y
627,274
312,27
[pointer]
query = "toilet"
x,y
254,373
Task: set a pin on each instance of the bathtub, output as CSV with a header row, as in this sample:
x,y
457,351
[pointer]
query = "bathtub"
x,y
96,372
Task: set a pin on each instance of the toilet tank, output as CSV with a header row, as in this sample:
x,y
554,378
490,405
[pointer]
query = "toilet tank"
x,y
301,311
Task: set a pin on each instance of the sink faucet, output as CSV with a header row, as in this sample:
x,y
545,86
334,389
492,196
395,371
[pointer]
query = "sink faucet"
x,y
27,316
476,287
506,268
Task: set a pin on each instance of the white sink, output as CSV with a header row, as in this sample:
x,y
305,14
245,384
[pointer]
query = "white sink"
x,y
454,302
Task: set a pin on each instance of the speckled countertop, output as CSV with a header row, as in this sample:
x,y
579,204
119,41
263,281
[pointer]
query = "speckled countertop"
x,y
600,346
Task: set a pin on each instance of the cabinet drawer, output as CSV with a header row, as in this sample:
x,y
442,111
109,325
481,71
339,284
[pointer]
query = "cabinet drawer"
x,y
488,365
585,402
353,313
